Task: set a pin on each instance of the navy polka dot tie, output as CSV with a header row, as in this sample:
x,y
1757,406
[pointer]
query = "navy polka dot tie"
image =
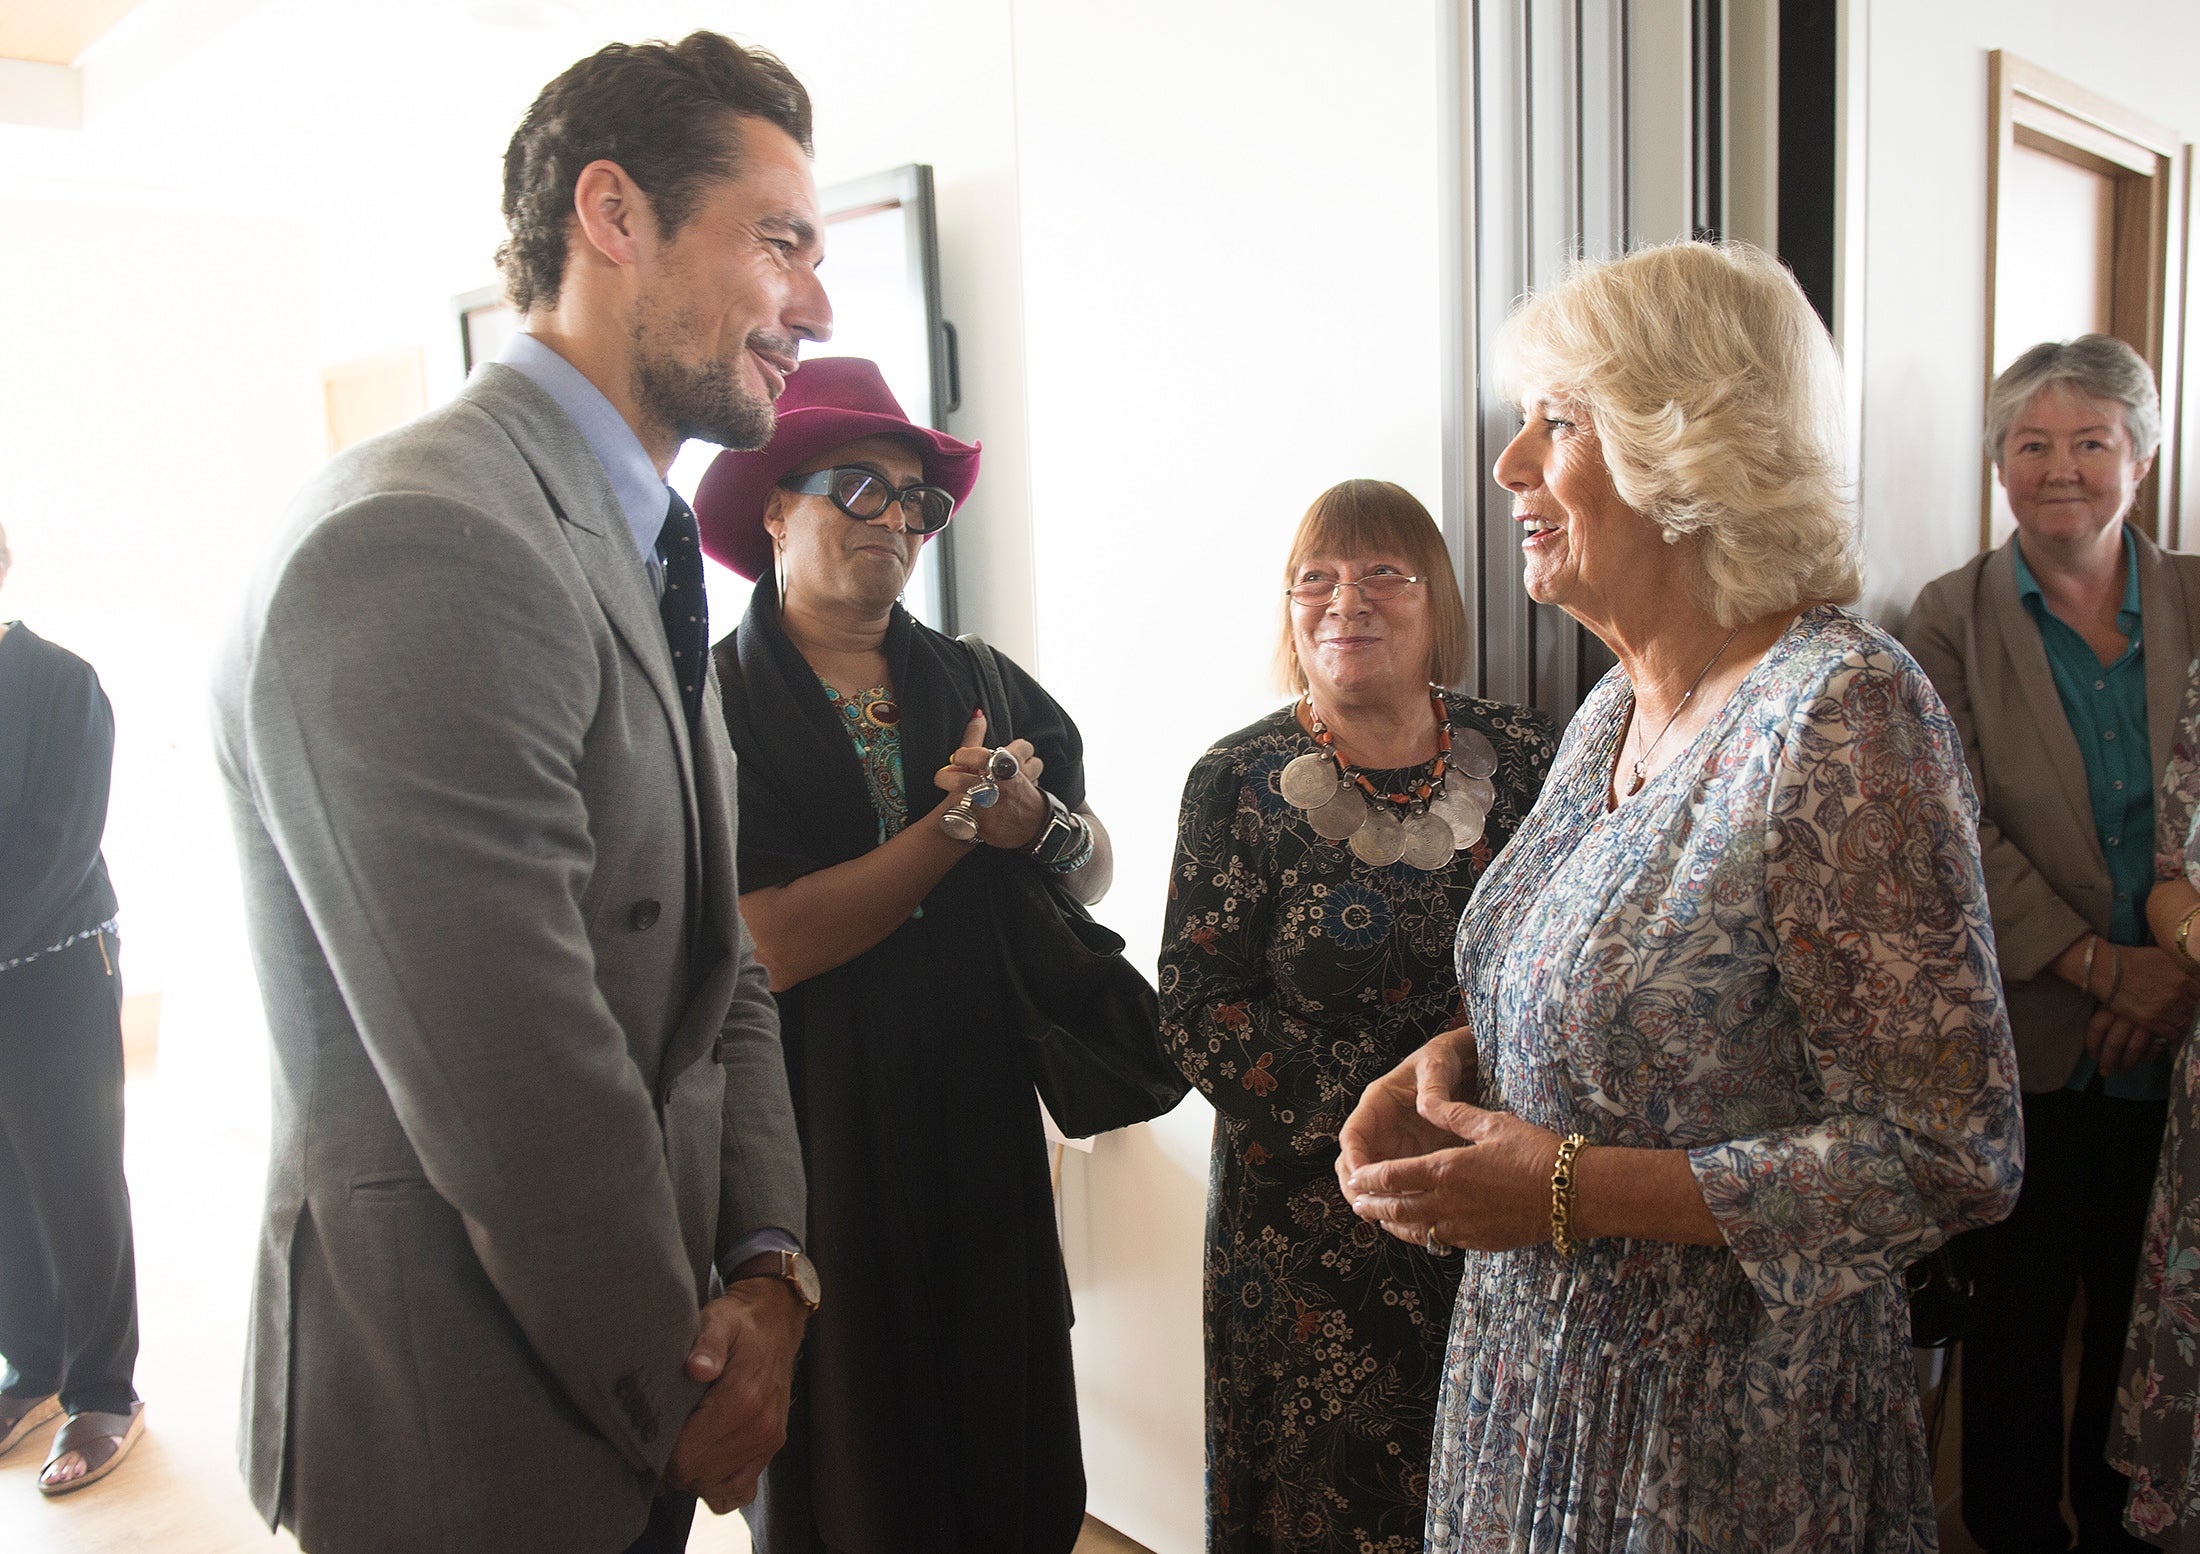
x,y
686,615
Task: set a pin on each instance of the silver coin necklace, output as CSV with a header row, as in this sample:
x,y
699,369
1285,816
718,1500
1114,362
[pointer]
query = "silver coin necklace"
x,y
1423,826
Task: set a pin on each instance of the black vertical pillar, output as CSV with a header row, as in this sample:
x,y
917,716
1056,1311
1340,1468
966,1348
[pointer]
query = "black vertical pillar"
x,y
1808,143
1707,72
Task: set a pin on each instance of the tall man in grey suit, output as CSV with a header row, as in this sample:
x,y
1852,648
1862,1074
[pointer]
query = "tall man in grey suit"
x,y
529,1277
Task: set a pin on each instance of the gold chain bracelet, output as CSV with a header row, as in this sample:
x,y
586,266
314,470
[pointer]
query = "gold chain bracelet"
x,y
2184,927
1562,1196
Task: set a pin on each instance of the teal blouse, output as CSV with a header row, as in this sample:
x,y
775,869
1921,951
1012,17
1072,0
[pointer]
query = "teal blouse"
x,y
2106,705
873,722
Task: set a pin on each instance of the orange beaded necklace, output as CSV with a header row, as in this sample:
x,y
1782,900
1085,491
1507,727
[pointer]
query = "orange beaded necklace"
x,y
1422,791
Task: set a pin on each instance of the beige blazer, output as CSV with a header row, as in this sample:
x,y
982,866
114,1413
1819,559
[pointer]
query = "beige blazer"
x,y
2046,877
527,1077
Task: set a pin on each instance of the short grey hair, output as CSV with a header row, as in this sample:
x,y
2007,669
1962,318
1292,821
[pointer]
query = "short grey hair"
x,y
2097,366
1715,395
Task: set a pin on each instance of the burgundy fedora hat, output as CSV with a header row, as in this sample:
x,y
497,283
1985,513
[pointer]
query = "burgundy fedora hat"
x,y
830,401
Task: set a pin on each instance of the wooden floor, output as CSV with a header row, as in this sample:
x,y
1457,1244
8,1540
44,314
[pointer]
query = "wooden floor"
x,y
197,1193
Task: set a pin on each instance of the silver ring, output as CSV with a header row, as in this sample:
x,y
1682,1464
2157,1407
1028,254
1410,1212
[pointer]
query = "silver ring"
x,y
959,822
1436,1247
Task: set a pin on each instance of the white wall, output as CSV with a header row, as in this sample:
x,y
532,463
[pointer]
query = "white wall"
x,y
1231,302
144,450
1925,309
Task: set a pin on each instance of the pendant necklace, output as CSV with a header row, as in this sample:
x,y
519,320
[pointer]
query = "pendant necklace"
x,y
1641,760
1425,825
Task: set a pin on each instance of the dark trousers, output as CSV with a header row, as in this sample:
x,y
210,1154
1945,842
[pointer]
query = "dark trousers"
x,y
671,1517
2088,1170
68,1264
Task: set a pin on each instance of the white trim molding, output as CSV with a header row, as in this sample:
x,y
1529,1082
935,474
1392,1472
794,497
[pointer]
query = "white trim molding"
x,y
43,96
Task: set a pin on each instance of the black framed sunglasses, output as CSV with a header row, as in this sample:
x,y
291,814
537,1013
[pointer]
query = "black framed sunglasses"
x,y
863,494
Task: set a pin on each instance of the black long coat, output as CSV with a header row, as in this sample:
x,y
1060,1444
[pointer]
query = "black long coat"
x,y
935,1406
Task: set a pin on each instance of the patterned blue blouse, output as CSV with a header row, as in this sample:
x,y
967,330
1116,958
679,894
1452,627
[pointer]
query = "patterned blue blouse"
x,y
1777,957
873,722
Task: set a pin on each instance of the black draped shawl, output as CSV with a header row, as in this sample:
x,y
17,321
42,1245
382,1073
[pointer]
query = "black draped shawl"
x,y
935,1407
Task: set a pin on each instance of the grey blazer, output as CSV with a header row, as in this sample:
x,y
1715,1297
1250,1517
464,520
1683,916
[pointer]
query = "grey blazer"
x,y
2046,877
527,1078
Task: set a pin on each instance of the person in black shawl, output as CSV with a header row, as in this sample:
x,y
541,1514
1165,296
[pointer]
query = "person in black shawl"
x,y
68,1270
935,1408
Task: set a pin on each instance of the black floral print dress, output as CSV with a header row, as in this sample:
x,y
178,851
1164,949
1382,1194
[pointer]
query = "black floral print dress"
x,y
1292,976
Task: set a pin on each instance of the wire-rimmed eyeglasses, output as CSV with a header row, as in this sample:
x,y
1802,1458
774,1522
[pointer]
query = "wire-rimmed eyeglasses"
x,y
862,494
1374,588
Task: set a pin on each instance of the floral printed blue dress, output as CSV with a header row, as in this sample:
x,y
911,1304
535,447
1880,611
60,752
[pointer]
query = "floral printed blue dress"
x,y
1777,957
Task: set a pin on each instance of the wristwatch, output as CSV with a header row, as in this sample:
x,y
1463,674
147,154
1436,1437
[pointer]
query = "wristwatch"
x,y
799,1273
1061,834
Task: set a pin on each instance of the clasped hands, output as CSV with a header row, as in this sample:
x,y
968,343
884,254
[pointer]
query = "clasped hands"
x,y
2148,1012
746,1352
1418,1157
1017,817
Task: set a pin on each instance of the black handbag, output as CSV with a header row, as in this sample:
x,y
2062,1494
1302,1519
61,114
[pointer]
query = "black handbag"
x,y
1091,1023
1941,1299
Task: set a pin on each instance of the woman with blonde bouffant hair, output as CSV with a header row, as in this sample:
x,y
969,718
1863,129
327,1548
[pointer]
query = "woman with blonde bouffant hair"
x,y
1735,1053
1324,855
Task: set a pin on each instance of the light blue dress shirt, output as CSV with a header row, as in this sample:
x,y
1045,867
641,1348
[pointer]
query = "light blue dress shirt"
x,y
643,496
645,500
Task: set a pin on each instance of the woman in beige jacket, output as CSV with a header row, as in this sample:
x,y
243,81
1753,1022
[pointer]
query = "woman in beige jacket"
x,y
2062,656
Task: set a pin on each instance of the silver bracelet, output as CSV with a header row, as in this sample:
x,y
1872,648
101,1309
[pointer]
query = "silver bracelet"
x,y
1080,855
1064,844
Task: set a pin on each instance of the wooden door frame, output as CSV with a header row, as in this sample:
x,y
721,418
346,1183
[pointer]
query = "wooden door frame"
x,y
2039,109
